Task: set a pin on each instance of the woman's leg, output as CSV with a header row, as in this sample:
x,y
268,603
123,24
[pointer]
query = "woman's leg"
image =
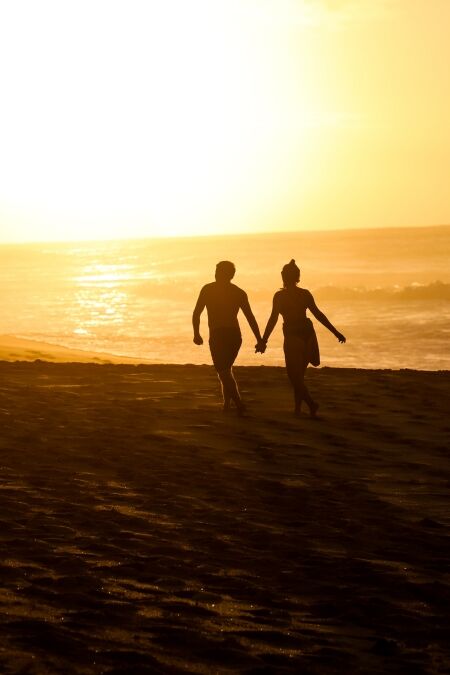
x,y
294,352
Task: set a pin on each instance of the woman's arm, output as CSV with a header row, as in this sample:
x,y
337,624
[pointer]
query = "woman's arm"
x,y
320,316
273,318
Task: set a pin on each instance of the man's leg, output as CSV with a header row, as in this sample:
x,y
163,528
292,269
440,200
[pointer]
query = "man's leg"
x,y
225,395
230,391
225,345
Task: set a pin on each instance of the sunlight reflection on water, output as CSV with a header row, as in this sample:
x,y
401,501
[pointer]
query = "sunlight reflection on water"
x,y
136,298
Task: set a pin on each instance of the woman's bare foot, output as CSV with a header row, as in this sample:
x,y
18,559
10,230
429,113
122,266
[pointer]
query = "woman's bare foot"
x,y
313,408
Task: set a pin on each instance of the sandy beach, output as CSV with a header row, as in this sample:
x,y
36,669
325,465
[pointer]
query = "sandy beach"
x,y
144,531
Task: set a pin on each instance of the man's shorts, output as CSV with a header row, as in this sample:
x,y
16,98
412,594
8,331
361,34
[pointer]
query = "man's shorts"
x,y
224,344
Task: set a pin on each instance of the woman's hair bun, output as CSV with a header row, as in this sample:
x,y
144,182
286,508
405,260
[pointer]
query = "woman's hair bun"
x,y
290,273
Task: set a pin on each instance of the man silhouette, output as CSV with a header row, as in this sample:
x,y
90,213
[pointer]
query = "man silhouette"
x,y
223,300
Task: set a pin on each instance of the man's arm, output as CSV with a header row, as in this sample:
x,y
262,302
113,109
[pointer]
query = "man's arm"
x,y
245,306
199,307
320,316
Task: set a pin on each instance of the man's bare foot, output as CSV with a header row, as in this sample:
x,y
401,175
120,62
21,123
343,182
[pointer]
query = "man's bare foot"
x,y
241,410
313,411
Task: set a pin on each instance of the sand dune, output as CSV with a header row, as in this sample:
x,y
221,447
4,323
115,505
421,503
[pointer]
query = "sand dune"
x,y
143,531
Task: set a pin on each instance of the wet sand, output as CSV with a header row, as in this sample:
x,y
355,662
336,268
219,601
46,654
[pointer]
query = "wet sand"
x,y
144,531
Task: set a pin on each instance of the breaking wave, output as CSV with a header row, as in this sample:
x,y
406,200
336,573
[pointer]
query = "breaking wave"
x,y
437,290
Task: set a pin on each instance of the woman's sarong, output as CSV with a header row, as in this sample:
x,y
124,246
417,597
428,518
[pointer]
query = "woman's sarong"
x,y
305,331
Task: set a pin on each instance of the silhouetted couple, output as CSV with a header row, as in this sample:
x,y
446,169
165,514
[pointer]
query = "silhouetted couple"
x,y
223,300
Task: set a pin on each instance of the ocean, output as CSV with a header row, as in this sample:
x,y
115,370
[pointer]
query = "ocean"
x,y
387,290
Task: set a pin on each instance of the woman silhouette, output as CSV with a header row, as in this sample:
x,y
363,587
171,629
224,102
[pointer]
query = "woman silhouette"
x,y
300,342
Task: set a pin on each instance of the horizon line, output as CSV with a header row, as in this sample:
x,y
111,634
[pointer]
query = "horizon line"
x,y
218,235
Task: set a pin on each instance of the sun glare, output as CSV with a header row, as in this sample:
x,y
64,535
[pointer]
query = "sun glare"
x,y
165,113
175,118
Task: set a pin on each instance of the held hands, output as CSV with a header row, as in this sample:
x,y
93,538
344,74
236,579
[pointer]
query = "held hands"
x,y
198,340
260,347
340,337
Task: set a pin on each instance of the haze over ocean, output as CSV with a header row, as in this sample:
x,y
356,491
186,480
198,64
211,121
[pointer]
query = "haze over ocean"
x,y
387,290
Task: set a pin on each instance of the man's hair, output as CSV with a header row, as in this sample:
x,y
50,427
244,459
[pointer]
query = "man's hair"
x,y
290,274
225,270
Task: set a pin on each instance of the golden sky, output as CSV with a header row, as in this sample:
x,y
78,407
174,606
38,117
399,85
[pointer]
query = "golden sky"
x,y
174,117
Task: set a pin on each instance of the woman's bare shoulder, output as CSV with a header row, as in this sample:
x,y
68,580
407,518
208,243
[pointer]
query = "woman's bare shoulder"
x,y
304,292
279,294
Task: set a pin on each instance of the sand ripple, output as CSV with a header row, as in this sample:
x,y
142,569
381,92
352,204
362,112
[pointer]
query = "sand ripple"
x,y
145,532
